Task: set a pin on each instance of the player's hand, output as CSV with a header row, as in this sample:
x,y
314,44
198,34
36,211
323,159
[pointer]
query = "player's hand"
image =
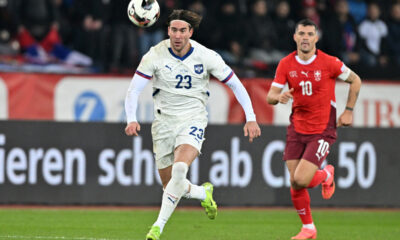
x,y
346,119
252,130
285,96
132,129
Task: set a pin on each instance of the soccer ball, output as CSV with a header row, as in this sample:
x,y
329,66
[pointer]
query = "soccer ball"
x,y
143,13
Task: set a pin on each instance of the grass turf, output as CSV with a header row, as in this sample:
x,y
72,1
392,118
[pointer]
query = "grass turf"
x,y
243,224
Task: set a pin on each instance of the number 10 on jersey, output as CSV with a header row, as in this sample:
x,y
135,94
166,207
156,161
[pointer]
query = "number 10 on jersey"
x,y
306,87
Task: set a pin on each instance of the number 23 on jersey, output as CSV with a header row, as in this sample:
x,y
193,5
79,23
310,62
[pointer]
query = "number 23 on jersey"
x,y
183,81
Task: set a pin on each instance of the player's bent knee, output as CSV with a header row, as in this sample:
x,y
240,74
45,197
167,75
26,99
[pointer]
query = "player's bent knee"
x,y
299,182
179,170
177,185
293,184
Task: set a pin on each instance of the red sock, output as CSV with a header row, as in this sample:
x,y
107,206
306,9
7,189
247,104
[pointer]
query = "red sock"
x,y
301,202
319,177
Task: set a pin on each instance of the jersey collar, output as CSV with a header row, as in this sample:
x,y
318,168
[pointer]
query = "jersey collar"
x,y
305,62
299,60
183,57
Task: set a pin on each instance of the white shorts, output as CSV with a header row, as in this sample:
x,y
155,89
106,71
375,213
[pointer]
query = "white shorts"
x,y
170,132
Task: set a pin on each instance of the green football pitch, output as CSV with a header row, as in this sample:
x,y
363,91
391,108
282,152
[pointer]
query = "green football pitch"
x,y
187,223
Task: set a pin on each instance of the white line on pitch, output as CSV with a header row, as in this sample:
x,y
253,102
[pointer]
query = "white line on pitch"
x,y
54,237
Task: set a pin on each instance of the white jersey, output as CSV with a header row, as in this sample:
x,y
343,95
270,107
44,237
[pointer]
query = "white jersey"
x,y
180,84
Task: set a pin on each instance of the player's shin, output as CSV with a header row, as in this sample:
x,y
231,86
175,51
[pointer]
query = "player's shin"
x,y
173,192
319,177
301,202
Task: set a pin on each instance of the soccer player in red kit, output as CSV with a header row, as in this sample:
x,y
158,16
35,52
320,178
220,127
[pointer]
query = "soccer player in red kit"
x,y
311,75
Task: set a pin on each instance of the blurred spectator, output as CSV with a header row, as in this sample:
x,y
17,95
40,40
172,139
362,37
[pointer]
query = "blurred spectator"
x,y
394,33
341,38
38,34
210,6
8,44
151,36
232,37
373,33
323,7
37,28
358,9
124,54
284,26
66,20
206,32
91,32
310,11
264,38
245,32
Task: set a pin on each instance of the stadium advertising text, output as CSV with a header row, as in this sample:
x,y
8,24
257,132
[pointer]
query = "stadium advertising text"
x,y
232,167
3,100
96,163
53,166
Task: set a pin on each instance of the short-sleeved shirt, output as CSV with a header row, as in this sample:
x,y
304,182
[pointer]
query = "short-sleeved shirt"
x,y
313,82
180,84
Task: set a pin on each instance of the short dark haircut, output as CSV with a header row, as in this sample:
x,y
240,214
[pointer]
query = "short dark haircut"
x,y
185,15
306,22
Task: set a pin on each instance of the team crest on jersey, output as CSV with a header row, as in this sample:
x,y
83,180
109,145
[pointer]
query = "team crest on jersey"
x,y
198,68
293,74
317,75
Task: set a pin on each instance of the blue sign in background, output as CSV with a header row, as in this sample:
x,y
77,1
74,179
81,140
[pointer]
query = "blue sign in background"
x,y
89,107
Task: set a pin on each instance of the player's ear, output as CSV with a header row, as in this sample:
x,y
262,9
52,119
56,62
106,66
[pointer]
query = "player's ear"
x,y
191,31
169,30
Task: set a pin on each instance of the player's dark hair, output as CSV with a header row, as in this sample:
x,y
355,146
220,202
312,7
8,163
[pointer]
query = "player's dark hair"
x,y
185,15
306,22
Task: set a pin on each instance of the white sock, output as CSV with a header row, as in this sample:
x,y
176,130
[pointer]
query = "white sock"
x,y
309,226
167,208
196,192
173,192
328,175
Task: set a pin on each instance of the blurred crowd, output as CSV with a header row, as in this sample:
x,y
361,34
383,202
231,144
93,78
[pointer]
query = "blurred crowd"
x,y
251,35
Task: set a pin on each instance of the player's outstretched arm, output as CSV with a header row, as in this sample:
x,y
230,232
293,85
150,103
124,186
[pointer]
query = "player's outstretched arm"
x,y
131,101
275,96
346,118
251,128
132,129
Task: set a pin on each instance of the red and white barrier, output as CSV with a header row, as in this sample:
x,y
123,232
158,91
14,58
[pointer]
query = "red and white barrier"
x,y
101,98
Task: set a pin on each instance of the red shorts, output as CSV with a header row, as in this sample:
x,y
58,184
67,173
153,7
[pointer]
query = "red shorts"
x,y
311,147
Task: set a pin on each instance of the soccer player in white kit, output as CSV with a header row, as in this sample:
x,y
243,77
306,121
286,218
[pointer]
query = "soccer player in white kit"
x,y
180,69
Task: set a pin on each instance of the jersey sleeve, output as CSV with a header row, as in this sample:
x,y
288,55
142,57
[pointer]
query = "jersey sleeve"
x,y
146,67
131,100
280,78
217,67
337,68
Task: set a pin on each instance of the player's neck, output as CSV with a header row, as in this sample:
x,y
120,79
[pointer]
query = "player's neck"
x,y
183,51
305,56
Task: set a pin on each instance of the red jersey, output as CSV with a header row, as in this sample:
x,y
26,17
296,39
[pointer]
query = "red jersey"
x,y
313,82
